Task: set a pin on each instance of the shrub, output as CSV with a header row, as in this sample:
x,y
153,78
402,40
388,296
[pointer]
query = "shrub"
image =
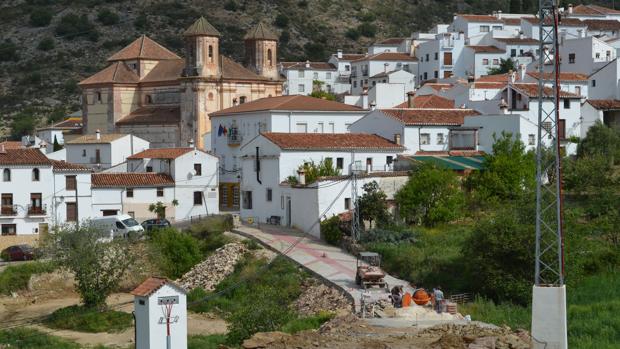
x,y
352,34
281,20
174,252
314,51
22,124
46,44
40,17
33,339
141,22
72,26
16,277
107,17
367,29
389,236
330,231
79,318
8,51
230,5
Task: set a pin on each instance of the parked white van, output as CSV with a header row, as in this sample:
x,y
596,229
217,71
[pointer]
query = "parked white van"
x,y
118,226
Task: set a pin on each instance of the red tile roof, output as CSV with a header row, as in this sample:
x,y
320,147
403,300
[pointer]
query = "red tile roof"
x,y
531,90
390,41
260,32
152,284
350,56
602,24
429,101
515,21
489,85
605,104
496,78
12,145
143,48
169,70
92,138
27,156
161,153
311,65
290,102
437,86
480,18
442,117
564,22
152,115
486,49
330,141
63,166
68,124
593,10
387,56
518,41
117,73
564,76
131,179
201,27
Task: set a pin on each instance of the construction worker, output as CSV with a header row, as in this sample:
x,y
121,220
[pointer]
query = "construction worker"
x,y
397,296
438,293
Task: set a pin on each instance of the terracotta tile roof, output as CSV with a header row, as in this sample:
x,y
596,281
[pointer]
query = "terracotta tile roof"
x,y
520,41
131,179
390,41
387,56
260,32
152,284
531,90
161,153
152,115
143,48
564,22
26,156
330,141
429,101
437,86
12,145
516,21
593,10
92,138
290,102
480,18
443,117
117,73
201,27
486,49
165,71
495,78
233,70
350,56
489,85
63,166
605,104
312,65
564,76
73,123
602,24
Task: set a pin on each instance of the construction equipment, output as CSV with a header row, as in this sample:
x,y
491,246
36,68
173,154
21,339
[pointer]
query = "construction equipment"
x,y
369,272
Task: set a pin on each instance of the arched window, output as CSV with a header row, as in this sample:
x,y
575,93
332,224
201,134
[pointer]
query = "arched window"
x,y
269,58
241,99
6,175
210,54
35,175
210,96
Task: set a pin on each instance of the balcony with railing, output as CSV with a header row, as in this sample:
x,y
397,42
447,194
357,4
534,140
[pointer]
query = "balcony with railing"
x,y
37,210
234,137
8,210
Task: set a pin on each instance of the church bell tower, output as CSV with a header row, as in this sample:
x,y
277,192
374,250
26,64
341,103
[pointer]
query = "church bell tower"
x,y
261,51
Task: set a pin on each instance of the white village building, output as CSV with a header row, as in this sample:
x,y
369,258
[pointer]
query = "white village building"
x,y
302,78
101,151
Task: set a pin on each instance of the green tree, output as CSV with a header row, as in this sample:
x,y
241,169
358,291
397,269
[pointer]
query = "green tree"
x,y
40,17
231,5
431,195
352,34
313,171
367,29
600,140
8,51
372,204
57,145
515,6
46,44
323,95
98,265
505,66
315,51
174,252
141,22
281,20
72,26
508,173
23,124
107,17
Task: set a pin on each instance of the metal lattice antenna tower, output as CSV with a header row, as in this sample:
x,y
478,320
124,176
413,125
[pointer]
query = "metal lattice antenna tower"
x,y
355,217
549,235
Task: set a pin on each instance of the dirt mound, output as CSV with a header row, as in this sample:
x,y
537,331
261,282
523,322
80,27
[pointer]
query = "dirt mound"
x,y
316,297
452,336
210,272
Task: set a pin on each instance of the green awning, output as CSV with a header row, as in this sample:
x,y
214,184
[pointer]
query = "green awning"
x,y
457,163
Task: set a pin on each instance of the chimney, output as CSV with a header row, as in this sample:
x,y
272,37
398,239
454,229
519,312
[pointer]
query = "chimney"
x,y
2,150
191,143
373,105
397,138
301,176
570,9
98,134
385,66
503,106
512,76
499,14
522,72
307,64
410,97
339,54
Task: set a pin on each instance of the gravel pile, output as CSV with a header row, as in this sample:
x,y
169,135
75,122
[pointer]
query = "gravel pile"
x,y
316,297
210,272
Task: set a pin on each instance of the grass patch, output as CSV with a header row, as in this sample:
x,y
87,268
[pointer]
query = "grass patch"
x,y
15,277
307,323
26,338
213,341
78,318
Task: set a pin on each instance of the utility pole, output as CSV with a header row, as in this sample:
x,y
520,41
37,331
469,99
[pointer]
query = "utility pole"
x,y
549,326
355,217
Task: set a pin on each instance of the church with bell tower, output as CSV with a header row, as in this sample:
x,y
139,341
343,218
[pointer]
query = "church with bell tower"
x,y
151,92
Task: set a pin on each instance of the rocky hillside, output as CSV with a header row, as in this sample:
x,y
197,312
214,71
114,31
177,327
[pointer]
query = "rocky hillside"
x,y
49,45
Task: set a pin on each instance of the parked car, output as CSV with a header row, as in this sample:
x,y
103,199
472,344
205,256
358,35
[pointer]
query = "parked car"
x,y
18,253
117,226
152,224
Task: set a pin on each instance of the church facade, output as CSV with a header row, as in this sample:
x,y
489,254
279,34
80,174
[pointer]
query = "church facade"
x,y
149,91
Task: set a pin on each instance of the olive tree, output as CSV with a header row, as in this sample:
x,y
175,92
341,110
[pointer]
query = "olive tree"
x,y
373,204
98,264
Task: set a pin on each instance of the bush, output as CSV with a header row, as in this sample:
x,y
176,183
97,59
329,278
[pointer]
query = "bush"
x,y
40,17
230,5
281,21
331,232
33,339
141,22
366,29
79,318
8,51
46,44
16,277
72,26
22,124
314,51
352,34
174,252
380,235
107,17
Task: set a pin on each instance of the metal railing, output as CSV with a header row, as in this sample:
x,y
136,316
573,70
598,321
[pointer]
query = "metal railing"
x,y
37,210
234,137
8,210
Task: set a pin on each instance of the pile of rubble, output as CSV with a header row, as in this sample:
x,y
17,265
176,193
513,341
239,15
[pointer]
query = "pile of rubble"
x,y
316,297
210,272
477,337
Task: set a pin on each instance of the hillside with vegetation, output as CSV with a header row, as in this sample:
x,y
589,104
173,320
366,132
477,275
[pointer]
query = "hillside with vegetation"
x,y
48,46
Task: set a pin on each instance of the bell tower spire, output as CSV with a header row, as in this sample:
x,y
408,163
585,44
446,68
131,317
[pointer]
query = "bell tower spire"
x,y
261,51
202,45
